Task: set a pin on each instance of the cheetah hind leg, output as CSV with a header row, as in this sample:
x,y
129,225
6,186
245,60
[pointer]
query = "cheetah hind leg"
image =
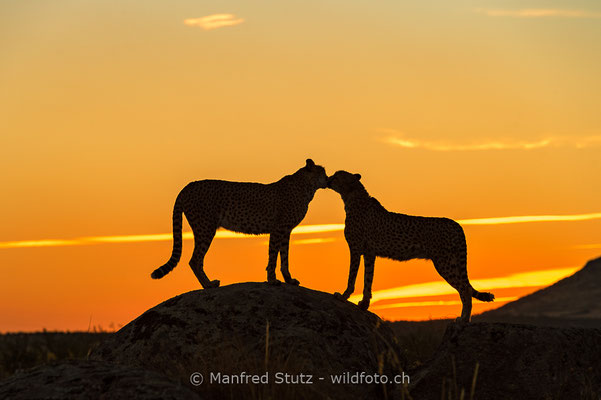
x,y
196,262
204,280
456,276
465,293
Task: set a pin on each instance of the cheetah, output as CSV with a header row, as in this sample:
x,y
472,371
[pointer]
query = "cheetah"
x,y
372,231
246,207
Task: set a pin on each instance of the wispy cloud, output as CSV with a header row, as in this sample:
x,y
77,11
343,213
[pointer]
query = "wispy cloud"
x,y
397,139
308,241
302,229
439,288
588,246
529,218
314,241
214,21
538,13
157,237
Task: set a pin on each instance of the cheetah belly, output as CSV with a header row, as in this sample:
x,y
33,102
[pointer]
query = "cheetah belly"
x,y
245,223
251,214
398,243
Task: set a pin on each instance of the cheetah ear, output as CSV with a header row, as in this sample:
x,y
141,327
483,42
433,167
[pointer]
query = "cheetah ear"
x,y
358,176
310,163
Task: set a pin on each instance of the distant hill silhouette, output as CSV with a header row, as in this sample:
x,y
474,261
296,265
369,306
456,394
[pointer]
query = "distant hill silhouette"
x,y
573,301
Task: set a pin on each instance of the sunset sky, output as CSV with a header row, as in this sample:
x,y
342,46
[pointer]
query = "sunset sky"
x,y
486,112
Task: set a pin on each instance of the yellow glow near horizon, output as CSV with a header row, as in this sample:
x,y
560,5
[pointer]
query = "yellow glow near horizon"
x,y
438,288
432,303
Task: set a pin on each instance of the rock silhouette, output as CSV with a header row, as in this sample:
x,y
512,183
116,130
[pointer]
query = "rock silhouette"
x,y
257,328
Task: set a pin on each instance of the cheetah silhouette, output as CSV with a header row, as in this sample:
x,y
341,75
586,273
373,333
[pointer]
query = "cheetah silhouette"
x,y
371,231
246,207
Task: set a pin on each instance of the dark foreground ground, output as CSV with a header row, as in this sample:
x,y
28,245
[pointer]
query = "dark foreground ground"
x,y
26,350
426,359
20,351
419,338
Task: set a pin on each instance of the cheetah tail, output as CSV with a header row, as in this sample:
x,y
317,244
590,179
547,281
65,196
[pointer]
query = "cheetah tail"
x,y
177,244
482,296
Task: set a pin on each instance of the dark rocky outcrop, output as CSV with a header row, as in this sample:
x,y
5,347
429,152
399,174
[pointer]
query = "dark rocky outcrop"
x,y
257,328
514,362
79,379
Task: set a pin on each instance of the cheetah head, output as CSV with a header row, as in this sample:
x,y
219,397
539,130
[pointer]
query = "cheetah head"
x,y
316,174
344,182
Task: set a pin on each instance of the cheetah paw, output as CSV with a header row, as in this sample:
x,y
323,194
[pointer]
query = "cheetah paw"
x,y
293,282
274,282
363,304
215,283
340,296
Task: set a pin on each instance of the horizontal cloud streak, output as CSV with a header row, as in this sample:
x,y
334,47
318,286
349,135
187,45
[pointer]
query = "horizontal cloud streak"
x,y
588,246
439,288
432,303
302,229
314,241
214,21
221,234
529,218
578,143
538,13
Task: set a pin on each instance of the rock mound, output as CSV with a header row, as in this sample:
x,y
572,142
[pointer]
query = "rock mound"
x,y
514,362
91,380
257,328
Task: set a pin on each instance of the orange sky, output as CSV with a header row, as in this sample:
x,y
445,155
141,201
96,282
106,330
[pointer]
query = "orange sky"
x,y
469,110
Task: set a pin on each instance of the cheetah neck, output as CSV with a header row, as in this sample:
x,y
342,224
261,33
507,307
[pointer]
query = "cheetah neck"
x,y
299,184
354,197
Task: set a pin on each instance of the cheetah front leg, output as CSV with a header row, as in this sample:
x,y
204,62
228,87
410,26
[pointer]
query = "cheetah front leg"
x,y
369,261
275,239
284,246
352,276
